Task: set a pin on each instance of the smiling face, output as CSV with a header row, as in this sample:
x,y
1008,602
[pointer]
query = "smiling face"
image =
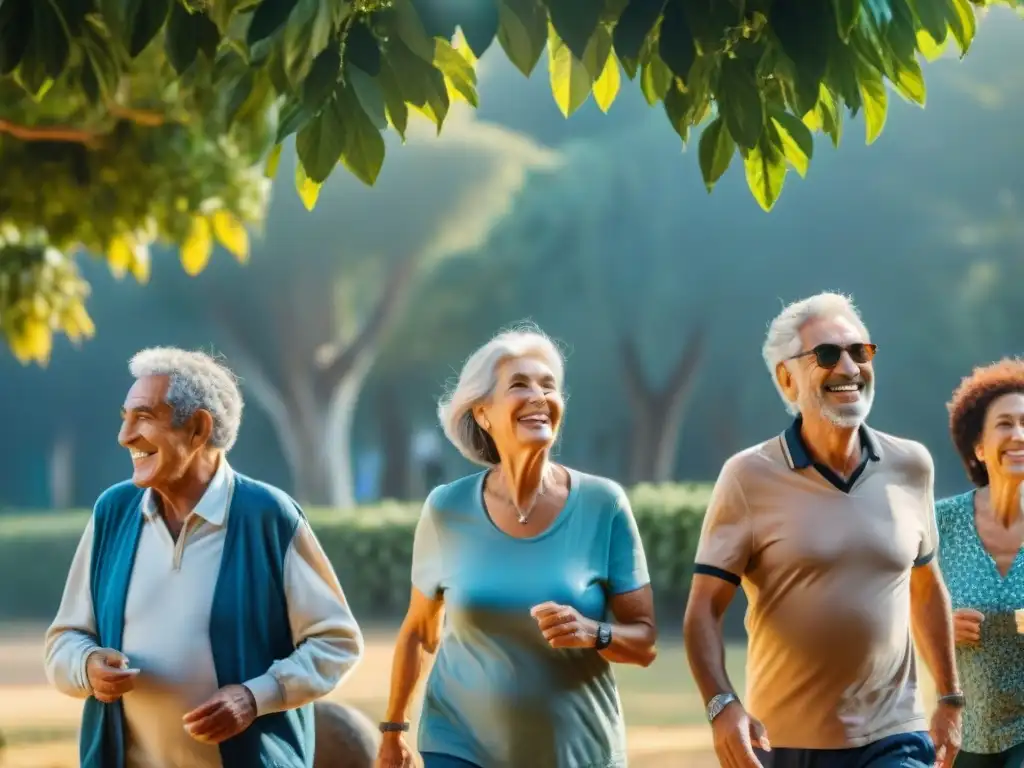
x,y
525,409
161,452
843,394
1001,448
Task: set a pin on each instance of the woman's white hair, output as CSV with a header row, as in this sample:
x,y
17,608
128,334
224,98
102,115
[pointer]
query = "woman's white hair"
x,y
783,339
476,384
195,381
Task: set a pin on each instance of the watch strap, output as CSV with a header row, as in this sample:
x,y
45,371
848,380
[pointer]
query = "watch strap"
x,y
718,703
955,699
604,636
391,727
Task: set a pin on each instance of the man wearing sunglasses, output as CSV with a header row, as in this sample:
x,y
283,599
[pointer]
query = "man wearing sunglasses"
x,y
830,529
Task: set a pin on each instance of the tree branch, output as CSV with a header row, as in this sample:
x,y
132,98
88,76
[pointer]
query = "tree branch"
x,y
56,133
384,311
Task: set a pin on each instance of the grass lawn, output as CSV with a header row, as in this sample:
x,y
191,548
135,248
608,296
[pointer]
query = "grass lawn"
x,y
664,712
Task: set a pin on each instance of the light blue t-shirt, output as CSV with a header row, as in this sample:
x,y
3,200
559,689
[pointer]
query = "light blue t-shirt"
x,y
498,695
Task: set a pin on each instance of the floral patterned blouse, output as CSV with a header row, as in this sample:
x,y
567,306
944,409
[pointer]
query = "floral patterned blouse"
x,y
992,672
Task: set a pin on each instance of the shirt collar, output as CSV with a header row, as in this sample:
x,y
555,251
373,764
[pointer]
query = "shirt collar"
x,y
213,506
798,457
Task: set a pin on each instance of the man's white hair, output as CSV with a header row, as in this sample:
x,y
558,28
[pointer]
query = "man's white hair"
x,y
783,339
195,381
476,384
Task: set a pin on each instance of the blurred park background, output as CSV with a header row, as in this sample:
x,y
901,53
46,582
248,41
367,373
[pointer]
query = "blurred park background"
x,y
348,320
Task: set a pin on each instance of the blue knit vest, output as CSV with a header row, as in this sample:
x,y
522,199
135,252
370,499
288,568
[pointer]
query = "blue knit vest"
x,y
249,627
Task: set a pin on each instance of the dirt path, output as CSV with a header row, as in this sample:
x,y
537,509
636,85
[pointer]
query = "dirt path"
x,y
40,724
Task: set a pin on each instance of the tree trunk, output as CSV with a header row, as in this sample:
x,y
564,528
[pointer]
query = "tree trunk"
x,y
394,440
312,409
657,412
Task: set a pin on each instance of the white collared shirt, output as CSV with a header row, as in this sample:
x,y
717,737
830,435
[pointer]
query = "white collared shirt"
x,y
166,630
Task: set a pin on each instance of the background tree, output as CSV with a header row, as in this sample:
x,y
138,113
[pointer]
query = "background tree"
x,y
170,82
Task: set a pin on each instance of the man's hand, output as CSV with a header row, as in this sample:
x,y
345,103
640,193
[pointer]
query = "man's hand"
x,y
735,732
229,712
109,676
945,732
967,626
564,627
394,752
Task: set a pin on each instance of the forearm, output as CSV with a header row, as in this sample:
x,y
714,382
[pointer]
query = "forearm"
x,y
411,651
66,653
315,668
705,651
931,617
631,644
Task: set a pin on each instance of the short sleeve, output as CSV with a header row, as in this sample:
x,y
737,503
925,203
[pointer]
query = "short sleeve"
x,y
726,535
627,563
426,554
929,523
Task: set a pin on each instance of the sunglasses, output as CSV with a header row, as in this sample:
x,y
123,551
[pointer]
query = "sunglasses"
x,y
829,355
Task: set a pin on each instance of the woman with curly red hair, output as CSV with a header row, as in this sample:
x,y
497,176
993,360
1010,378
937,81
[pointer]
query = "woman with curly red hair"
x,y
981,533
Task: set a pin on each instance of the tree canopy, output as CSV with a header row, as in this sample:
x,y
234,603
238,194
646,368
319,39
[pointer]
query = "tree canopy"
x,y
127,122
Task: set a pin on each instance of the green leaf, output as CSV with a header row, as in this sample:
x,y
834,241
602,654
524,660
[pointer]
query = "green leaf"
x,y
962,23
741,103
712,20
50,42
15,33
320,143
457,70
239,94
294,116
679,110
570,80
363,150
766,169
422,86
99,69
480,26
794,138
909,81
308,189
675,45
715,152
805,30
394,101
362,48
368,95
879,12
846,12
575,22
270,16
932,16
606,87
410,30
875,99
307,33
273,160
148,21
635,23
522,32
323,75
439,18
655,79
182,40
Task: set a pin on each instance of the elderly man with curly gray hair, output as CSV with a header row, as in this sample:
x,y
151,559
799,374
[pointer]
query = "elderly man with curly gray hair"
x,y
201,618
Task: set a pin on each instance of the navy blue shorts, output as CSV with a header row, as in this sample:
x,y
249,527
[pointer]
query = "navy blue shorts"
x,y
905,750
1011,758
438,760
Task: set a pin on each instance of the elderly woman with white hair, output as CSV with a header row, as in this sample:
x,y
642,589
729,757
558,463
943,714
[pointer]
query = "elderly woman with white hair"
x,y
542,574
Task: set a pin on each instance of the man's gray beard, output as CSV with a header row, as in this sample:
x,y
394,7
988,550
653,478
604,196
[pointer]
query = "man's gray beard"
x,y
850,417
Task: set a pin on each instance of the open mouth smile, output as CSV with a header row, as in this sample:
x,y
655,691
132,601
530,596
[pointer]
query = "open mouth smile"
x,y
535,419
138,455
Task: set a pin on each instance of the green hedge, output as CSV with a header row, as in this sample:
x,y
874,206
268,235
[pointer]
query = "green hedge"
x,y
370,547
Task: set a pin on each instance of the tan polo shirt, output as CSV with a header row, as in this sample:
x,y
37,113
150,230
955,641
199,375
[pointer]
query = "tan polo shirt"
x,y
825,564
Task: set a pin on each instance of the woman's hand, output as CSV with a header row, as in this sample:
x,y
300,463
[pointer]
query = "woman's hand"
x,y
967,626
394,752
564,627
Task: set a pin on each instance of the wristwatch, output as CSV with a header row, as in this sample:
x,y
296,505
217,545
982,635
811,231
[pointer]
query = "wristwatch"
x,y
956,700
387,727
604,635
718,703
